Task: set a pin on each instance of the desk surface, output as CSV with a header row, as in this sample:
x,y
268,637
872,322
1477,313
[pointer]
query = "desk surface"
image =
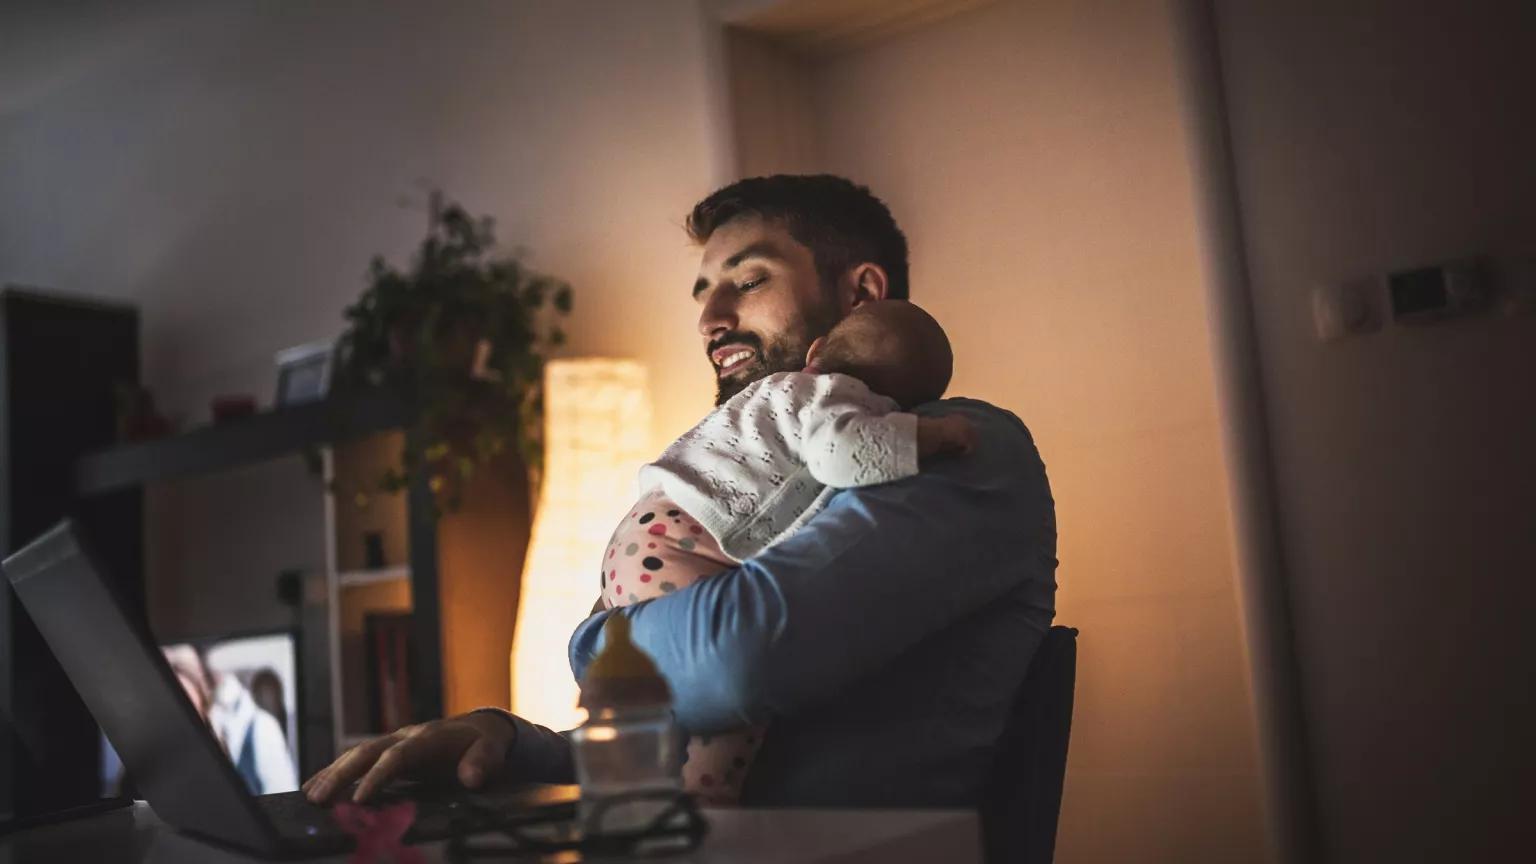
x,y
136,836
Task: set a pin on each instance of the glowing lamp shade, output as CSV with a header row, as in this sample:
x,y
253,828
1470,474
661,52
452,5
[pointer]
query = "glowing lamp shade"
x,y
597,425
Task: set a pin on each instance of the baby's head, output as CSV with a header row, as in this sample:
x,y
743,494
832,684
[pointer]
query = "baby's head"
x,y
894,347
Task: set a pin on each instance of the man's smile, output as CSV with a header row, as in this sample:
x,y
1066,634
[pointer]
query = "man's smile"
x,y
730,358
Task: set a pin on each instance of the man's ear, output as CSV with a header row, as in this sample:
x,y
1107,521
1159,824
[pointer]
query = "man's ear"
x,y
815,349
862,284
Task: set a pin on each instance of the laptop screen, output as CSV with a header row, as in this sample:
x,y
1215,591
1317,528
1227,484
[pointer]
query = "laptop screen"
x,y
245,688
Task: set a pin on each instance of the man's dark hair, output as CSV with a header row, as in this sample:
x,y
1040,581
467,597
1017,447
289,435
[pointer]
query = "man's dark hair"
x,y
841,222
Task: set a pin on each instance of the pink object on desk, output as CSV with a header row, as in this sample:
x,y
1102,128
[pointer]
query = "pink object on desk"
x,y
378,832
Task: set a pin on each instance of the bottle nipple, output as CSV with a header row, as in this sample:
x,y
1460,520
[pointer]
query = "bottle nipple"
x,y
622,677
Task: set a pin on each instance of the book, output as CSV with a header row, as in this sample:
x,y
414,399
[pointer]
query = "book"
x,y
387,636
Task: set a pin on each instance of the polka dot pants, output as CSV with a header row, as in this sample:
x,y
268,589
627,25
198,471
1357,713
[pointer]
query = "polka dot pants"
x,y
657,549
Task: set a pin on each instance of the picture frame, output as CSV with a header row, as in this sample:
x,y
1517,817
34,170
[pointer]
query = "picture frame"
x,y
304,373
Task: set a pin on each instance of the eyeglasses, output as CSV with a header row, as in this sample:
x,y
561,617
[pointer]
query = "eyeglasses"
x,y
484,833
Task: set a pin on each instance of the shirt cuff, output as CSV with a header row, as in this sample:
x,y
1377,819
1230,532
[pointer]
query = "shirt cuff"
x,y
537,754
904,448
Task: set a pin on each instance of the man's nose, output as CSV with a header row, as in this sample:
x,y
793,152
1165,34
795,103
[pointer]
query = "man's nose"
x,y
718,315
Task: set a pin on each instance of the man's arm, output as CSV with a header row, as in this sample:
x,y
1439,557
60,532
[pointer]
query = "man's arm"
x,y
879,570
874,574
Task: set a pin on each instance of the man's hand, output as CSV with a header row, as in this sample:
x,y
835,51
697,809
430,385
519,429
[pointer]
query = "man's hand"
x,y
951,433
473,747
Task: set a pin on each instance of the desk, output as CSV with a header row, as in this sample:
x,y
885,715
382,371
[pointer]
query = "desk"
x,y
136,836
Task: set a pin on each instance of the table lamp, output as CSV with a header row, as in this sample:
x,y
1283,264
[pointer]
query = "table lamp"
x,y
597,421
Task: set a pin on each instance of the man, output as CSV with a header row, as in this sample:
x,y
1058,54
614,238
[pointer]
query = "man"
x,y
253,738
886,639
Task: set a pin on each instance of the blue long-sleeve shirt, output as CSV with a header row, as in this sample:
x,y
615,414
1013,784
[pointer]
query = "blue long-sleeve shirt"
x,y
884,641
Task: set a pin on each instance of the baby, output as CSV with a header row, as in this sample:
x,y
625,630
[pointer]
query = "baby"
x,y
767,460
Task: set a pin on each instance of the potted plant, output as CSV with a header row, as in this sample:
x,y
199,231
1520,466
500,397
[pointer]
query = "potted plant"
x,y
462,335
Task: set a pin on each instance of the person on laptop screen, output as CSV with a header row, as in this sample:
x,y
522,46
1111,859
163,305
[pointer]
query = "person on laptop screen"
x,y
252,737
249,735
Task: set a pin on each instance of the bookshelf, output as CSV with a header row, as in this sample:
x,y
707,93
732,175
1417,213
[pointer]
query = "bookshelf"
x,y
358,589
348,431
456,577
472,560
355,578
229,445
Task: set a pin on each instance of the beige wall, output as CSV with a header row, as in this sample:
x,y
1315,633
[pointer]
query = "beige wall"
x,y
232,167
775,130
1380,136
1033,154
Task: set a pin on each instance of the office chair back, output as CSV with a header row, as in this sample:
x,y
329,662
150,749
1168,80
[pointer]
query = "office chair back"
x,y
1023,796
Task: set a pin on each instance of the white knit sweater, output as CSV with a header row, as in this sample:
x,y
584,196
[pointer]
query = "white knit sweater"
x,y
760,465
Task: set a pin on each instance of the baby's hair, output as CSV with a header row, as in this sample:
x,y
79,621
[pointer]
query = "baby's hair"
x,y
895,348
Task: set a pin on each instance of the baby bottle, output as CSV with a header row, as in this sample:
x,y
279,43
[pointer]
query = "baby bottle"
x,y
629,745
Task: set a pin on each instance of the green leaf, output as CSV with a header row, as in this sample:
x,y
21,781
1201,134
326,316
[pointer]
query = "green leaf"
x,y
407,329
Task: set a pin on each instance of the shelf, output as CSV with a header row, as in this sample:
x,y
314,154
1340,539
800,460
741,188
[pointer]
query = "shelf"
x,y
351,578
239,442
347,742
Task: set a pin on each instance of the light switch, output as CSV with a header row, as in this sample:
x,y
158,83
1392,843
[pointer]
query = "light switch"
x,y
1344,309
1449,290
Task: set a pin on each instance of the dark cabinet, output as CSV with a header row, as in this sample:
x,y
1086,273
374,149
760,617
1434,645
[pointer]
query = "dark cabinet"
x,y
62,361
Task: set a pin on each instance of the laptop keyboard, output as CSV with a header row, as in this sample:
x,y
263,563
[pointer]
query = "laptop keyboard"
x,y
294,816
440,812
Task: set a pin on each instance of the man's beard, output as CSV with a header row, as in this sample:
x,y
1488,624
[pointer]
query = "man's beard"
x,y
784,354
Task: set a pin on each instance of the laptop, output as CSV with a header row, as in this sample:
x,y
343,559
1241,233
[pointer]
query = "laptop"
x,y
169,750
